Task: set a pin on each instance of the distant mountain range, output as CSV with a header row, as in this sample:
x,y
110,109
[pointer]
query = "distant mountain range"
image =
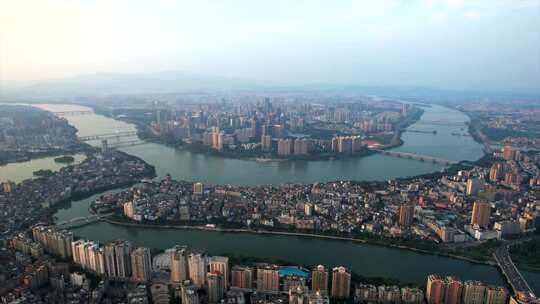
x,y
171,82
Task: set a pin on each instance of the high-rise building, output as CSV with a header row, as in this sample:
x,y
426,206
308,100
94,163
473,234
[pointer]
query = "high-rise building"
x,y
412,295
345,144
216,287
366,293
319,279
406,215
435,290
242,277
254,127
118,260
473,292
178,256
268,279
389,294
508,152
266,142
220,264
300,147
480,214
474,185
496,172
129,209
104,147
197,266
285,147
318,298
189,294
198,188
89,255
341,283
141,264
56,242
496,295
453,290
298,295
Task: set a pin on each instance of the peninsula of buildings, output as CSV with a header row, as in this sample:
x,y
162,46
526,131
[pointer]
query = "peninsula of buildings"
x,y
451,211
277,129
28,132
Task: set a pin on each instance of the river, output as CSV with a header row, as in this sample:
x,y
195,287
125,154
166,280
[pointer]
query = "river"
x,y
182,164
367,260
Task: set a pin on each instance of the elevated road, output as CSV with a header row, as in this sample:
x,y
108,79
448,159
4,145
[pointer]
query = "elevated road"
x,y
510,271
415,156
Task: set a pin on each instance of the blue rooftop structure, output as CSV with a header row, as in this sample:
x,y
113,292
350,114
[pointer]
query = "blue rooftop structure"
x,y
291,271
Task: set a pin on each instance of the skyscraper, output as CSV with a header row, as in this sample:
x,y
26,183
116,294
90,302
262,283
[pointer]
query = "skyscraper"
x,y
179,265
197,266
220,264
216,286
341,283
319,280
480,214
406,214
435,290
141,264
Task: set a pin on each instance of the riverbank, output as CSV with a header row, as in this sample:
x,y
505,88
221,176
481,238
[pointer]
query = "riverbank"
x,y
298,234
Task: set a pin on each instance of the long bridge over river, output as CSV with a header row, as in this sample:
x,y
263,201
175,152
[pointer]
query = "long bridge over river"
x,y
74,113
108,135
512,274
82,221
414,156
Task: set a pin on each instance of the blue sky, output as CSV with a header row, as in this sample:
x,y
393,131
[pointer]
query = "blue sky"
x,y
474,44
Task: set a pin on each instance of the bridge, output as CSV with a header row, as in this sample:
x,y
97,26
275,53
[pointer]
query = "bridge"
x,y
414,156
107,135
440,122
510,271
74,113
127,143
82,221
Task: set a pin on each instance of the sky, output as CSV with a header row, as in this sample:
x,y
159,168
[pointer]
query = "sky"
x,y
453,44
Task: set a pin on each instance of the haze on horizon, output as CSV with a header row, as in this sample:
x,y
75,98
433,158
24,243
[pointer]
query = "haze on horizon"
x,y
453,44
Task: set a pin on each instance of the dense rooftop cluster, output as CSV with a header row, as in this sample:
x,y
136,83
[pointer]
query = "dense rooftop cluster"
x,y
28,131
26,203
